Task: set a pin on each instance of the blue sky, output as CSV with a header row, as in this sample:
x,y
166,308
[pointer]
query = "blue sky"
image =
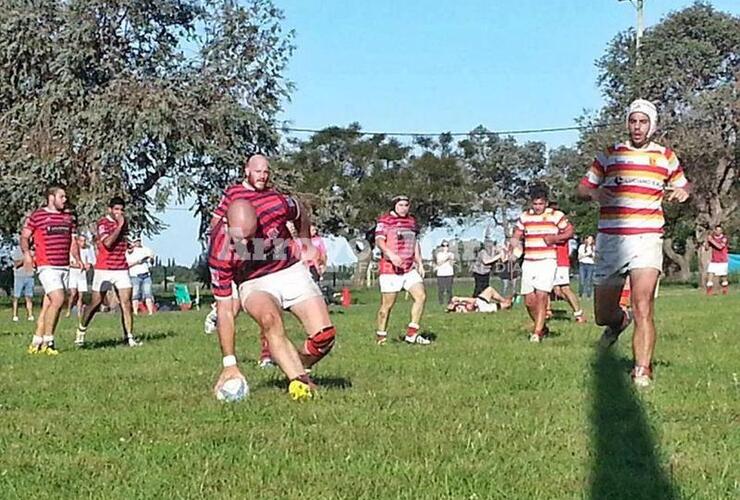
x,y
443,65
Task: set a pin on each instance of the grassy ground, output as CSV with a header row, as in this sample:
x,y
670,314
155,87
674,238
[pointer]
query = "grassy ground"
x,y
482,413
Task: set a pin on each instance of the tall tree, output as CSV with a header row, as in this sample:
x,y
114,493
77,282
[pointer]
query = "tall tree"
x,y
690,67
149,100
349,179
500,171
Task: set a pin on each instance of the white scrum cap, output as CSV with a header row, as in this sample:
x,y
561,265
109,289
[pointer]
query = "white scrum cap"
x,y
648,108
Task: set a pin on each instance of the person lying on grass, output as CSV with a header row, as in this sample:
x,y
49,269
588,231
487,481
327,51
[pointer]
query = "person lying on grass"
x,y
488,301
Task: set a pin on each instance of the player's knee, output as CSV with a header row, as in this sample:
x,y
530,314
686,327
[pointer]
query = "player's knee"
x,y
56,299
420,296
530,300
642,308
269,321
321,343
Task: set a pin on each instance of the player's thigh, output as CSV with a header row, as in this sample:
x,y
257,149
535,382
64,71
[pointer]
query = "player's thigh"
x,y
642,288
312,313
417,292
56,297
606,298
263,307
124,294
387,300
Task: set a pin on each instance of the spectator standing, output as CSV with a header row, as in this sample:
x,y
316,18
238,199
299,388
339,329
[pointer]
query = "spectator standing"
x,y
22,284
586,266
139,259
509,271
482,267
444,263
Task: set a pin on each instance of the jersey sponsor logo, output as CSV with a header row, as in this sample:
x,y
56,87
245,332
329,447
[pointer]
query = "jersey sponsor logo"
x,y
58,229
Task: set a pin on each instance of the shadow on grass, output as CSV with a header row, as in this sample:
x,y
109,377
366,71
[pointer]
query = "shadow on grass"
x,y
146,338
14,334
324,382
626,462
560,315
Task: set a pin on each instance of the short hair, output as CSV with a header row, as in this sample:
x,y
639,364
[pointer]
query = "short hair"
x,y
718,226
52,189
538,192
116,200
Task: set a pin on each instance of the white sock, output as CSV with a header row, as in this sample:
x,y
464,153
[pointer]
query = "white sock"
x,y
578,313
37,340
48,339
414,325
381,334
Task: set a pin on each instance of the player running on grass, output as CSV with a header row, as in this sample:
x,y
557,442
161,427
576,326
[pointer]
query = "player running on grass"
x,y
542,229
400,268
270,278
52,231
629,181
111,272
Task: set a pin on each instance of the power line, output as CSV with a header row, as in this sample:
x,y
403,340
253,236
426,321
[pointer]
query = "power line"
x,y
302,130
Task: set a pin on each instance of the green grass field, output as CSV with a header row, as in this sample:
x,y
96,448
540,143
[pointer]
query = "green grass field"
x,y
480,414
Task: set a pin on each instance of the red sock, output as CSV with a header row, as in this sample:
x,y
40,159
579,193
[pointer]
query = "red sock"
x,y
412,330
709,290
725,289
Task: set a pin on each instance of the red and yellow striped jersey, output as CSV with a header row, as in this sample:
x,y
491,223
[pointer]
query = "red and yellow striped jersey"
x,y
535,227
638,179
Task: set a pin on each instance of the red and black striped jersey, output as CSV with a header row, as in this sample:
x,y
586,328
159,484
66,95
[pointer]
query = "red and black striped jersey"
x,y
113,258
268,251
52,236
400,235
222,261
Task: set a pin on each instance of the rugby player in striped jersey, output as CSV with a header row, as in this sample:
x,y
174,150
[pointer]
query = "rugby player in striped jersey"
x,y
51,230
541,228
629,181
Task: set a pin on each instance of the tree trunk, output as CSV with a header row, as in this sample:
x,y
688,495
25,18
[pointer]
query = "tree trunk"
x,y
682,260
364,258
703,254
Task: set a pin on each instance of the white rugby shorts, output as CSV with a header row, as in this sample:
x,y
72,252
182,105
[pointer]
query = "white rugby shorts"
x,y
616,255
288,286
77,280
562,276
538,275
53,278
105,279
718,268
394,283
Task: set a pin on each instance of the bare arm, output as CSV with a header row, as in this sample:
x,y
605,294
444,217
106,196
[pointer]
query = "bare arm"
x,y
516,239
387,252
226,338
417,258
491,258
598,194
716,244
226,328
74,250
564,235
26,248
110,239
